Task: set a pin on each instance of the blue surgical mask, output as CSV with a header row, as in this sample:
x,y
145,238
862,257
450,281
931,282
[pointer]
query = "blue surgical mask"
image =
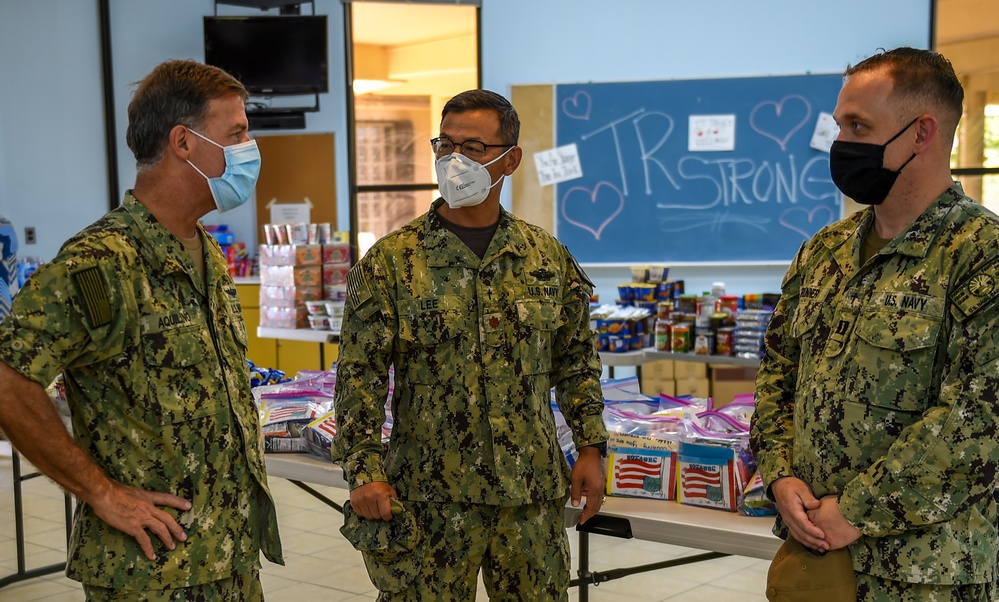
x,y
242,168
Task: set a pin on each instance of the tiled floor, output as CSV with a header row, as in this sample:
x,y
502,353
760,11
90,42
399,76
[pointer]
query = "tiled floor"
x,y
320,562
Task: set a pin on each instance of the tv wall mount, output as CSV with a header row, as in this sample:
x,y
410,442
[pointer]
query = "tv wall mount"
x,y
261,116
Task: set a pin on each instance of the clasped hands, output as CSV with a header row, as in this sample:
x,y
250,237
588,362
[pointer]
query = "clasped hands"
x,y
815,523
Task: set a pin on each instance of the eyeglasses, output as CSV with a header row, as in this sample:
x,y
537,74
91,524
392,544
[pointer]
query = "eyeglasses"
x,y
473,149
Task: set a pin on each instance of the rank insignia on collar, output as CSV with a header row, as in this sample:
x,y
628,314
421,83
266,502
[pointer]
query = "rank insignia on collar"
x,y
542,274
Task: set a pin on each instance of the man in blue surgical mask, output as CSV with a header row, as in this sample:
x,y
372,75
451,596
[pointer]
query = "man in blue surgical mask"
x,y
140,314
877,420
481,315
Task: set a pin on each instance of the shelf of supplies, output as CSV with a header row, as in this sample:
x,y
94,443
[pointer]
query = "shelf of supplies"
x,y
723,360
299,334
644,356
624,358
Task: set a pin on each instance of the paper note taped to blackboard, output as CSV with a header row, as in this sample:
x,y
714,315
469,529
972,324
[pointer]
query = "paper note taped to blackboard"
x,y
826,131
558,165
711,133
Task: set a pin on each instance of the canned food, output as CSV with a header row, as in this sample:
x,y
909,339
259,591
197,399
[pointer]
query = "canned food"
x,y
681,338
704,344
724,340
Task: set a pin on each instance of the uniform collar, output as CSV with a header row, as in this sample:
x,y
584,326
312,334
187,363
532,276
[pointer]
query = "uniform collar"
x,y
160,247
443,248
915,241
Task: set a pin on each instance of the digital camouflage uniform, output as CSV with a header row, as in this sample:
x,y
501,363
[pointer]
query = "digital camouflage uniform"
x,y
880,385
476,347
157,383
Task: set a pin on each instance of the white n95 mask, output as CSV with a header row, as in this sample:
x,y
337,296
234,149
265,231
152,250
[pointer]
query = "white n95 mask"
x,y
463,182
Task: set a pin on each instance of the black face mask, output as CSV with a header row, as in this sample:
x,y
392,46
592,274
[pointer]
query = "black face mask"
x,y
858,169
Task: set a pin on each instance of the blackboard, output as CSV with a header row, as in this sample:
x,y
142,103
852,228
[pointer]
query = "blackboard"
x,y
646,197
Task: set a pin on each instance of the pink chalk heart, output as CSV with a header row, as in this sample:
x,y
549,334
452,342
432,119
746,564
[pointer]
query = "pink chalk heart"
x,y
577,106
805,222
607,205
783,119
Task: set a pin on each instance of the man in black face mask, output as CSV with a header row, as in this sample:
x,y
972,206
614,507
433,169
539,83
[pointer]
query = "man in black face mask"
x,y
877,420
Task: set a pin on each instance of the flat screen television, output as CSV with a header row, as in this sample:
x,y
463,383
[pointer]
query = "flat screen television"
x,y
271,55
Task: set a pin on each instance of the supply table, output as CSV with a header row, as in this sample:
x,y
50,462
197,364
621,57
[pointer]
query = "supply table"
x,y
721,533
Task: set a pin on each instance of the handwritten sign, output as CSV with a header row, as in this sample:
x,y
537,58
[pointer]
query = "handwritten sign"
x,y
558,165
826,130
741,184
290,213
711,133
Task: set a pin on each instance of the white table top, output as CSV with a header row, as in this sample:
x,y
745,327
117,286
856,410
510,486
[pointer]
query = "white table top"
x,y
299,334
651,520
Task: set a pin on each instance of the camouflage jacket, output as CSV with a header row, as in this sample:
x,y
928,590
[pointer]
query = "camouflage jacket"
x,y
154,364
880,385
476,347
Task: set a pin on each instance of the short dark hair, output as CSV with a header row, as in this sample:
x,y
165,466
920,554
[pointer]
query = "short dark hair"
x,y
176,92
922,78
472,100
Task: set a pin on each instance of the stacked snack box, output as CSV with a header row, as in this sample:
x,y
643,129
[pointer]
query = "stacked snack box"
x,y
290,276
336,264
303,276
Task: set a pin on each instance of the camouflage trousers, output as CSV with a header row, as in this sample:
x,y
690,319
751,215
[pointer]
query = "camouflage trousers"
x,y
523,552
876,589
239,588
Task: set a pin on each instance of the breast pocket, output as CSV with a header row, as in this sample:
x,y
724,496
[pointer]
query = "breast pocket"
x,y
537,322
178,375
430,343
805,318
896,357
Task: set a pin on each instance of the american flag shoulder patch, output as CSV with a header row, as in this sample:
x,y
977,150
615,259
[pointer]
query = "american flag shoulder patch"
x,y
357,286
94,294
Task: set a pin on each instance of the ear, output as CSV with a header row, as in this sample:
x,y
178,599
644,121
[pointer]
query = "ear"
x,y
512,160
927,128
179,142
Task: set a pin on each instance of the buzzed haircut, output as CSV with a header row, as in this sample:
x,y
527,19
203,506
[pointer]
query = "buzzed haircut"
x,y
922,78
473,100
176,92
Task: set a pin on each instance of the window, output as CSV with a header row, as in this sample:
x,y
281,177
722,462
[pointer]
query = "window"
x,y
406,61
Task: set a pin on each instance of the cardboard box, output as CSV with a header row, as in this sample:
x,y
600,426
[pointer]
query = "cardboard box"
x,y
335,273
273,275
289,296
657,377
683,370
336,252
285,255
659,369
729,381
654,386
695,387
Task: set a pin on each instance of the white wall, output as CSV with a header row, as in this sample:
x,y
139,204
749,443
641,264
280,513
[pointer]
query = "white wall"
x,y
53,175
52,172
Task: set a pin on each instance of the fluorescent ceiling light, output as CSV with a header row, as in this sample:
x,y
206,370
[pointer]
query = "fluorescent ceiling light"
x,y
367,86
